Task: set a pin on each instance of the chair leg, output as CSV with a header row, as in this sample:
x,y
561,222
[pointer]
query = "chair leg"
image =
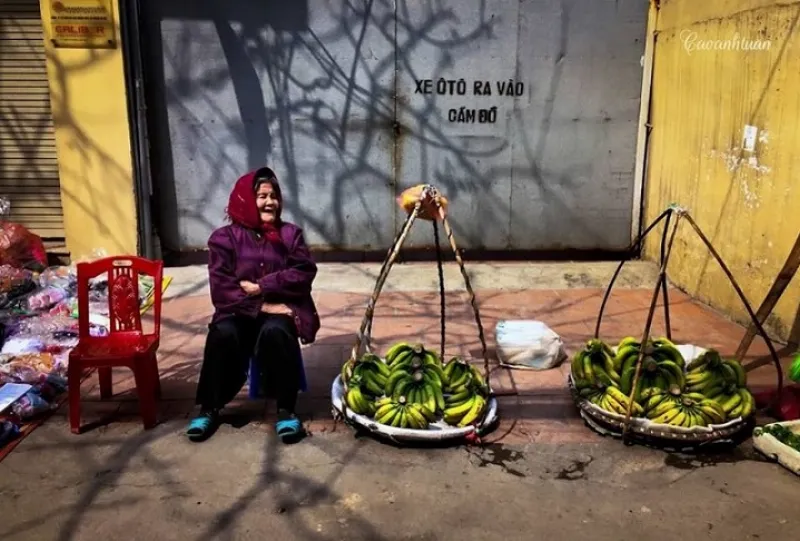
x,y
74,394
104,374
156,375
145,388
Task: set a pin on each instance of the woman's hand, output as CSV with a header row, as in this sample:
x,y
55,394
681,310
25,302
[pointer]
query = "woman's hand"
x,y
276,309
250,288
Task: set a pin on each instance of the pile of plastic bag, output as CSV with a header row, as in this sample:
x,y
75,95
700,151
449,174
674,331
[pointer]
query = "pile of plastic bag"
x,y
38,322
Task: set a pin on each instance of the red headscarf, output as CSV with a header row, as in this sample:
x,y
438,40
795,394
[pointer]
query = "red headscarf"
x,y
243,210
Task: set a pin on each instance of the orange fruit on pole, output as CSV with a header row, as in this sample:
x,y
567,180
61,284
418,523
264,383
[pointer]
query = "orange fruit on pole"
x,y
430,198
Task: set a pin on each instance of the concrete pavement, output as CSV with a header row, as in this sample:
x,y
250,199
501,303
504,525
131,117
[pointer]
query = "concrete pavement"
x,y
542,473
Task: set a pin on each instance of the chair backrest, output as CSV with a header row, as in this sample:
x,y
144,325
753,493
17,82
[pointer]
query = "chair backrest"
x,y
123,292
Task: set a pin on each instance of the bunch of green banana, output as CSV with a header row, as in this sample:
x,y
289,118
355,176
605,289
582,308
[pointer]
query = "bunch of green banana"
x,y
675,408
355,399
610,398
404,351
663,348
418,388
464,408
459,374
662,367
402,414
709,371
594,364
372,373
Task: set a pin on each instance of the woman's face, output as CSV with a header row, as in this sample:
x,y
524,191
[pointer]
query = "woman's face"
x,y
268,203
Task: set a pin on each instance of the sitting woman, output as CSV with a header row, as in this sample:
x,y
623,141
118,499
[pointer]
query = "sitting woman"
x,y
260,274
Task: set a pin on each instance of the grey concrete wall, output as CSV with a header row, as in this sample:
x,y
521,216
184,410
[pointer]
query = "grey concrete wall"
x,y
342,100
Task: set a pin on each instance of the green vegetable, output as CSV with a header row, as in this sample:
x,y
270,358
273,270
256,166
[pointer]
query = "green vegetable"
x,y
782,434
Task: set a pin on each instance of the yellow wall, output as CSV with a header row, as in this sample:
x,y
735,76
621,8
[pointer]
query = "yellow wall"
x,y
87,91
748,203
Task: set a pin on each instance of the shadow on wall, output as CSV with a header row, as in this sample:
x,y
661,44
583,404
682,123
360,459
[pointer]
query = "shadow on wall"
x,y
84,153
328,95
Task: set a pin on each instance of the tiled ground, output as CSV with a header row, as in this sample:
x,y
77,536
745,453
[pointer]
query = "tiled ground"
x,y
535,406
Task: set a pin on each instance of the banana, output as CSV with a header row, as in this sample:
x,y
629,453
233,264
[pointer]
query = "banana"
x,y
432,358
667,351
588,369
738,369
438,397
665,418
350,400
371,385
673,373
729,374
384,409
748,402
696,419
400,420
730,402
383,369
712,411
416,417
629,341
346,372
608,365
698,364
463,395
601,376
426,412
395,350
624,400
465,378
614,405
697,378
388,415
402,359
473,414
461,409
393,380
661,409
653,401
680,419
401,387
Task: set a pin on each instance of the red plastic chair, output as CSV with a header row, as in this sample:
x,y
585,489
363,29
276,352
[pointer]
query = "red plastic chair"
x,y
126,344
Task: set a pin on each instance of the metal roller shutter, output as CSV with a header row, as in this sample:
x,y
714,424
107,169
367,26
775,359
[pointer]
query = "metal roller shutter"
x,y
28,164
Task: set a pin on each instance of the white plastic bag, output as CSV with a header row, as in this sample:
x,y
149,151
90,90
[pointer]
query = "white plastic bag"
x,y
528,344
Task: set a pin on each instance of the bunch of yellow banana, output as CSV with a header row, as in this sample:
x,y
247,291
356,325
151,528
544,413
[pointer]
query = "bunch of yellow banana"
x,y
459,374
611,399
402,414
372,374
677,408
465,408
710,374
594,364
737,403
356,400
662,366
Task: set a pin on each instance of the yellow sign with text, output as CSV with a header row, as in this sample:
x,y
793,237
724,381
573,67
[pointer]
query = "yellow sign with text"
x,y
82,24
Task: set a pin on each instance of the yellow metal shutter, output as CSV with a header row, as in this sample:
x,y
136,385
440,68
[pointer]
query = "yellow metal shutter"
x,y
28,165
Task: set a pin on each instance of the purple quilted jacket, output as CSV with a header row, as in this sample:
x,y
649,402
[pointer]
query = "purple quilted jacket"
x,y
285,273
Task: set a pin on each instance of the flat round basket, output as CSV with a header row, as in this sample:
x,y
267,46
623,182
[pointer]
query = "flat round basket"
x,y
663,436
438,431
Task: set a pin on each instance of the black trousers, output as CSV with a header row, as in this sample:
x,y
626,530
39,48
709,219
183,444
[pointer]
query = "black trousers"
x,y
230,344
